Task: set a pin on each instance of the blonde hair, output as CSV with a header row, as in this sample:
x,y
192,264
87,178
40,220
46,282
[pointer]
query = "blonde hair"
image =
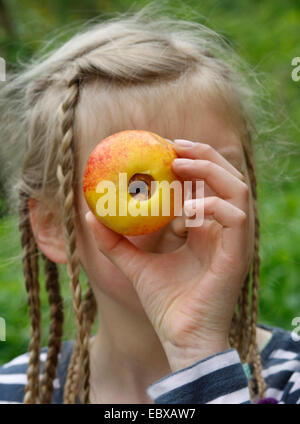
x,y
130,53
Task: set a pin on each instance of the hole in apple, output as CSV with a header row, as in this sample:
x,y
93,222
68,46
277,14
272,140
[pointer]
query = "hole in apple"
x,y
139,186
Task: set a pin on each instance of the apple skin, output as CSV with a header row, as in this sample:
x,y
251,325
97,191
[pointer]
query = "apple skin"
x,y
131,152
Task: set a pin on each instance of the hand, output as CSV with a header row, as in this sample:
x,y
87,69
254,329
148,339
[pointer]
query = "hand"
x,y
190,294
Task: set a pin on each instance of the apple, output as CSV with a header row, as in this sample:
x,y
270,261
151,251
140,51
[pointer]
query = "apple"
x,y
126,182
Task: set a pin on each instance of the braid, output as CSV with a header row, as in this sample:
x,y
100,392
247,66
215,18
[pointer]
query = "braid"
x,y
244,318
72,383
233,330
30,269
90,307
253,352
56,330
239,329
65,175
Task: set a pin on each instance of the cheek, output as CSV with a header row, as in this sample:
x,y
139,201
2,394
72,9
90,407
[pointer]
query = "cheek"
x,y
104,276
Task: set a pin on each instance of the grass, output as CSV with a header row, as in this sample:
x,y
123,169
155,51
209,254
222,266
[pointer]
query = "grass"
x,y
280,258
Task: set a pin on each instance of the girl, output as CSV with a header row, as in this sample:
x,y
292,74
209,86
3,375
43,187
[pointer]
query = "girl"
x,y
177,308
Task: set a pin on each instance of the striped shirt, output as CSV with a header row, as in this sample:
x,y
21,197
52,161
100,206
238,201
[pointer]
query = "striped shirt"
x,y
220,378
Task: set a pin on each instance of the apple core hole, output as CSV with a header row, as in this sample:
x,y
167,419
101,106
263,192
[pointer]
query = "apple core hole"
x,y
140,185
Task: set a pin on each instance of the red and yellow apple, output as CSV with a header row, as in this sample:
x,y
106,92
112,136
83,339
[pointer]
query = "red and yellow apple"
x,y
124,179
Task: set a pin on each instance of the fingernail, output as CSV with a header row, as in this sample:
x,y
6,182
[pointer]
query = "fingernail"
x,y
183,161
184,143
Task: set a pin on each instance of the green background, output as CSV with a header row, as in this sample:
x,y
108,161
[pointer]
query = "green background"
x,y
266,35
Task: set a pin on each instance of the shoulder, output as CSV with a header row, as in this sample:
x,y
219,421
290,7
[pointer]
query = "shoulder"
x,y
13,377
281,365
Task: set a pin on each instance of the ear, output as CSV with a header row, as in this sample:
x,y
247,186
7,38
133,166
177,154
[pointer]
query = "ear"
x,y
48,233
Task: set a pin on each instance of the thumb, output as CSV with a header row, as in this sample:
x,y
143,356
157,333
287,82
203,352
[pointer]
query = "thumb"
x,y
118,249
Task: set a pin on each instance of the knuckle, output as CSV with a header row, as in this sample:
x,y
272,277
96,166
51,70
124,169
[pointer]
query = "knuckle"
x,y
207,165
205,149
245,190
243,178
242,217
215,200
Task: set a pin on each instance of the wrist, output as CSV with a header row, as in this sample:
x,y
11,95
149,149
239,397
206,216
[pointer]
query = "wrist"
x,y
183,357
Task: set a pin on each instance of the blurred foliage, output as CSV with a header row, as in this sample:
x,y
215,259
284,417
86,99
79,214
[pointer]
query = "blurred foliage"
x,y
266,35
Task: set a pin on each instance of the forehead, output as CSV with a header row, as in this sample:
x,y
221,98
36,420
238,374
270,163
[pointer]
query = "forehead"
x,y
188,117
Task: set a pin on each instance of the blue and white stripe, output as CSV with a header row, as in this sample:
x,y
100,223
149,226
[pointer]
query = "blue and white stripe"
x,y
220,378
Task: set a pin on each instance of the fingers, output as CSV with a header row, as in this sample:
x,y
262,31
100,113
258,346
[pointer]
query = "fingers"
x,y
224,212
224,183
125,255
204,151
233,220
